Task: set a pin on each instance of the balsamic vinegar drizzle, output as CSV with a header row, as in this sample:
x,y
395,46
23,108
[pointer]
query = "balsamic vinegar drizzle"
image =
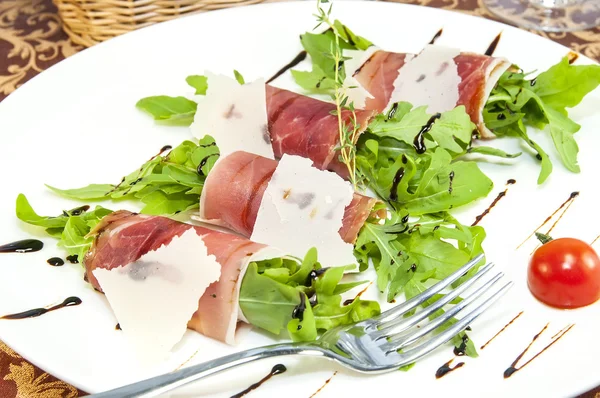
x,y
461,350
297,59
490,207
324,385
512,369
70,301
566,203
392,111
394,189
419,142
436,36
501,330
277,370
203,162
350,301
595,240
298,311
572,57
357,71
22,246
445,368
56,261
118,326
492,47
73,259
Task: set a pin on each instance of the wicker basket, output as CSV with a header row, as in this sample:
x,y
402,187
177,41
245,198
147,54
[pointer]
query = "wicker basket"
x,y
89,22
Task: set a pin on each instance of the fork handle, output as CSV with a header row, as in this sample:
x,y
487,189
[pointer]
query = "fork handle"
x,y
160,384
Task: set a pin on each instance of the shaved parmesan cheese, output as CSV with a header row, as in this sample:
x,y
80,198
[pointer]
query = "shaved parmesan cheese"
x,y
431,78
354,90
266,253
154,297
235,116
303,207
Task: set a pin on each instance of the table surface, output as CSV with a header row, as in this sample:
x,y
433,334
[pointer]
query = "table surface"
x,y
32,39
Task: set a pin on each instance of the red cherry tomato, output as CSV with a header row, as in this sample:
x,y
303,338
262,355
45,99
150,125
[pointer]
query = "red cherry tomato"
x,y
565,273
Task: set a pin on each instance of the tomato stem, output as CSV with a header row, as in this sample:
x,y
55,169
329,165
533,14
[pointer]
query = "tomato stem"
x,y
543,238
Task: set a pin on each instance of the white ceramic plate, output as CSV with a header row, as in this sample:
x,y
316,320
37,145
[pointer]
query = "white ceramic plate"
x,y
76,123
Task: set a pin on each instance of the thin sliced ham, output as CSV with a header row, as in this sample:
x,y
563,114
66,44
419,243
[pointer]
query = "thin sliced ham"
x,y
478,74
123,237
234,189
304,126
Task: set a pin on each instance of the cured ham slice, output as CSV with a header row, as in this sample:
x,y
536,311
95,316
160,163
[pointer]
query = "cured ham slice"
x,y
476,75
304,126
121,238
234,189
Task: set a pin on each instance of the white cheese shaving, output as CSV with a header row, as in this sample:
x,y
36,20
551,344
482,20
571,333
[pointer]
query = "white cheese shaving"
x,y
354,90
430,78
154,297
234,115
303,207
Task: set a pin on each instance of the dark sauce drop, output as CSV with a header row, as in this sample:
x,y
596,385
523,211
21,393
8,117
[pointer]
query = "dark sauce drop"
x,y
79,210
511,181
492,47
56,261
501,330
512,369
533,82
405,219
461,350
118,326
22,246
203,162
298,311
356,72
419,141
297,59
573,56
165,148
451,177
277,370
566,203
395,182
445,369
392,111
73,259
436,36
501,116
315,273
70,301
490,207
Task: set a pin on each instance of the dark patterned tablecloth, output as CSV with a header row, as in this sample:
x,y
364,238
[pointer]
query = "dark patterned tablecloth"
x,y
32,39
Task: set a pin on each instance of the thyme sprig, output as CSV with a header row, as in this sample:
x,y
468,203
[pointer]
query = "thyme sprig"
x,y
348,131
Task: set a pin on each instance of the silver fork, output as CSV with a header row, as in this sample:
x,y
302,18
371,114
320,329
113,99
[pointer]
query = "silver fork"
x,y
381,344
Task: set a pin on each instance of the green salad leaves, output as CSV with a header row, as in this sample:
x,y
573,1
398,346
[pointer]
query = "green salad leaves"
x,y
300,298
71,227
166,184
517,102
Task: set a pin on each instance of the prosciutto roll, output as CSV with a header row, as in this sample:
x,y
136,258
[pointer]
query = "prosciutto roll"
x,y
123,237
385,74
234,189
304,126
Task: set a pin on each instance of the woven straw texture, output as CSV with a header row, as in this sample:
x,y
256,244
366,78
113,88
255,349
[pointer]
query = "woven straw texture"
x,y
89,22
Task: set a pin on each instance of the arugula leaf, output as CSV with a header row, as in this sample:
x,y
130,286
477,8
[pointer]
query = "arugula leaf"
x,y
71,227
239,77
271,290
487,150
178,110
517,101
321,78
166,184
199,82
